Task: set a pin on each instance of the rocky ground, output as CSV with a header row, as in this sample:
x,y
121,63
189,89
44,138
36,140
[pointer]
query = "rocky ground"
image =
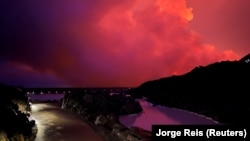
x,y
101,112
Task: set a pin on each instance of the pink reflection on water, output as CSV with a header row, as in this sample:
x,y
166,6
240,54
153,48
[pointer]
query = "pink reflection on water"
x,y
162,115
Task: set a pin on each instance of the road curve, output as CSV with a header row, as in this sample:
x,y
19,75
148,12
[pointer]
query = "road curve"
x,y
56,124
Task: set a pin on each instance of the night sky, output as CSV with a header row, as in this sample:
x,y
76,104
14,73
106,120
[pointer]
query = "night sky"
x,y
96,43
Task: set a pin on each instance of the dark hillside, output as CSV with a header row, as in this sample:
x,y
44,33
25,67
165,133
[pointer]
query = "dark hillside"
x,y
219,90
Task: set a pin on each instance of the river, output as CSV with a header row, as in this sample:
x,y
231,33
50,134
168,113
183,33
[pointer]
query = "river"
x,y
163,115
56,124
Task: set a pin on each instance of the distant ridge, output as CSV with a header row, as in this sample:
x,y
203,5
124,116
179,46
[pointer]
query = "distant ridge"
x,y
219,90
245,59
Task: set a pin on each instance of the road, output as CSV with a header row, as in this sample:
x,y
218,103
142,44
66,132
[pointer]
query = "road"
x,y
56,124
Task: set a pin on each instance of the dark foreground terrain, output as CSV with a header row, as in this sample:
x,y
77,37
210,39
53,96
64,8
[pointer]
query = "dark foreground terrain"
x,y
15,123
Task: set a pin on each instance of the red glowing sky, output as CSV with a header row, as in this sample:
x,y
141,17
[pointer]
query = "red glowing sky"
x,y
117,43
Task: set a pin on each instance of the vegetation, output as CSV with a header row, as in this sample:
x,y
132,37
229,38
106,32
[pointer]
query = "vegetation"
x,y
102,102
14,107
219,90
101,111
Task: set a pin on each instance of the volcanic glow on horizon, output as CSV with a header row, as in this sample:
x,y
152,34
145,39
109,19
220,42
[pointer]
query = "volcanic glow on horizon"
x,y
100,43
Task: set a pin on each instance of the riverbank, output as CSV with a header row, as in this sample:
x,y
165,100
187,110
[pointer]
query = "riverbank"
x,y
106,123
119,132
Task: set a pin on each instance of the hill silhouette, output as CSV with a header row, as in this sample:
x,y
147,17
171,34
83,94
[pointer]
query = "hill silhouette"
x,y
219,90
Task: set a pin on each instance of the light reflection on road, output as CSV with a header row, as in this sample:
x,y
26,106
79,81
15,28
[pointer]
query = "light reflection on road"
x,y
55,124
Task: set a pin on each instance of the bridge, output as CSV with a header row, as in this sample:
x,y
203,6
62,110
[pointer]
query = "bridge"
x,y
38,91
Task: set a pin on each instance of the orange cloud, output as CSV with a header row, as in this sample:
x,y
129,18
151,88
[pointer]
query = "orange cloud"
x,y
124,43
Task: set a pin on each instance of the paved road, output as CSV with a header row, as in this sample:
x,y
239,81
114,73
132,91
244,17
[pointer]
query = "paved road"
x,y
55,124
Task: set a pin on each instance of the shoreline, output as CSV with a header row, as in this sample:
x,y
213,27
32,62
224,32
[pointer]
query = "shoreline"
x,y
110,135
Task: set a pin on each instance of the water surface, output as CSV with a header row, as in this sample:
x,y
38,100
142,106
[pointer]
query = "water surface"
x,y
56,124
163,115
